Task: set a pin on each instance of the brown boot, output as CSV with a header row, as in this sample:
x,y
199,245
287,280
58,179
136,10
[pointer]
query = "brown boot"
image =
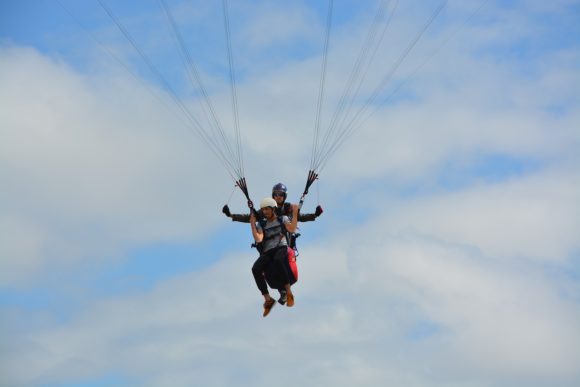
x,y
268,305
290,299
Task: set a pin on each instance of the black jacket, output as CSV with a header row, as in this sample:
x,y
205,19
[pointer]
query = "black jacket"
x,y
285,209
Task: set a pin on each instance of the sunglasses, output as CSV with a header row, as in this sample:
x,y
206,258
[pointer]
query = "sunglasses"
x,y
279,194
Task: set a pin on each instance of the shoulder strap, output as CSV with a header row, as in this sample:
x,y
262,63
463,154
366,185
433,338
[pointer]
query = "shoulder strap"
x,y
284,231
282,225
262,223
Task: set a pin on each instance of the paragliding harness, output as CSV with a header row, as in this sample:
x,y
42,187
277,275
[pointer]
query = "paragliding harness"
x,y
290,237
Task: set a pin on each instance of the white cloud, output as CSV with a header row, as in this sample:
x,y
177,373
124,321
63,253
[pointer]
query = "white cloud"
x,y
535,217
359,300
507,320
274,25
90,165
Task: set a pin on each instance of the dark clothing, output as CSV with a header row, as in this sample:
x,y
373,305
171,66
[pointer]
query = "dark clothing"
x,y
276,278
273,263
285,209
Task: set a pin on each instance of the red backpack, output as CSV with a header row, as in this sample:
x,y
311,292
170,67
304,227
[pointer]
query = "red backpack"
x,y
292,263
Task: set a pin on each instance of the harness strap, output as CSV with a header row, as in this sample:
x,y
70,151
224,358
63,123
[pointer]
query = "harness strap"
x,y
284,233
282,226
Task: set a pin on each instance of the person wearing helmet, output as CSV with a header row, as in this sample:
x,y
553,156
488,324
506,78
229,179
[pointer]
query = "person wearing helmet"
x,y
279,194
269,234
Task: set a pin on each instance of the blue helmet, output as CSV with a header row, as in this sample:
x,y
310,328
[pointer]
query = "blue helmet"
x,y
280,188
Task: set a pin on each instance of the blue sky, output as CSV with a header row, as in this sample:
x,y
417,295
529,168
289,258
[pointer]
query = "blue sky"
x,y
448,252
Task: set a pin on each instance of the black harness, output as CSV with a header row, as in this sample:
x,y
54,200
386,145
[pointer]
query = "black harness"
x,y
283,233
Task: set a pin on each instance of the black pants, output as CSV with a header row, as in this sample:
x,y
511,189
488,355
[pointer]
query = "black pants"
x,y
271,261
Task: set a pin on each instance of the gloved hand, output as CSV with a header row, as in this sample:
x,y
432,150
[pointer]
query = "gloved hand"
x,y
226,211
318,211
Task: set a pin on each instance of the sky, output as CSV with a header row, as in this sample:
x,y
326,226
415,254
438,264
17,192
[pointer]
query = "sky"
x,y
448,251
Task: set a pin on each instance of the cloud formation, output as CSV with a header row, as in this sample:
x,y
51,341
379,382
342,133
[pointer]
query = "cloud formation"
x,y
447,254
91,165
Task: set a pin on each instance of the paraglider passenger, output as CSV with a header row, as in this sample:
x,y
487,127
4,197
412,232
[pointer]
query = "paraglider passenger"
x,y
270,235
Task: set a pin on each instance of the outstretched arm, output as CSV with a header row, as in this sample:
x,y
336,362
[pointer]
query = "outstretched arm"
x,y
310,217
244,218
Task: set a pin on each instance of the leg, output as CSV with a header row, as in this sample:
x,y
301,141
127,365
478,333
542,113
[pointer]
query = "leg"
x,y
276,280
289,296
283,296
269,303
280,261
258,273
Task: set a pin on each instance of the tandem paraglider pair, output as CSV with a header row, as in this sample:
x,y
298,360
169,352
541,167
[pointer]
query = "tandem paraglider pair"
x,y
274,228
351,112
